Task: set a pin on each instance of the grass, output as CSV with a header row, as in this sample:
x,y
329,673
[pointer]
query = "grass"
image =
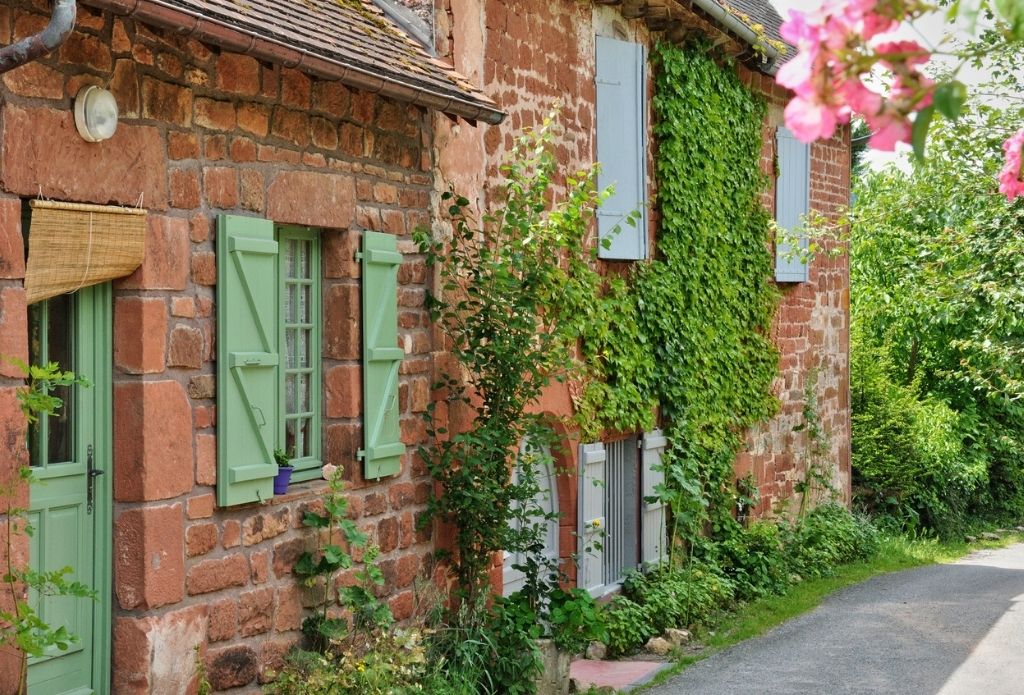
x,y
757,617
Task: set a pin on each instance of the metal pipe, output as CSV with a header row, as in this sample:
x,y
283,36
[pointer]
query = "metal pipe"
x,y
62,21
734,24
192,24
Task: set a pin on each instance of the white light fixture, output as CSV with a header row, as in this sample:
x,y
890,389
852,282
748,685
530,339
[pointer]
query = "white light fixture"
x,y
95,114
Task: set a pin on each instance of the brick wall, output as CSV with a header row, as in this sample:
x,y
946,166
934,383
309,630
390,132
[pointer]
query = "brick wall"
x,y
203,132
526,54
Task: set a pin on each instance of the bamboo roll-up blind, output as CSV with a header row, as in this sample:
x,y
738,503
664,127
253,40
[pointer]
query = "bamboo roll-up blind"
x,y
72,245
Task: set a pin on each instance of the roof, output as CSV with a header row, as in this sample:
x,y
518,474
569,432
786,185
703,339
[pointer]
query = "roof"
x,y
759,12
348,40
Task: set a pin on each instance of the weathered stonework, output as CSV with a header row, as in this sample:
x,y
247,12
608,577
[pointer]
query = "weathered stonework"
x,y
203,132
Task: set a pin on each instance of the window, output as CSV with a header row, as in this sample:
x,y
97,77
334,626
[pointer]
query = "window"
x,y
299,272
51,331
621,520
622,148
268,355
792,193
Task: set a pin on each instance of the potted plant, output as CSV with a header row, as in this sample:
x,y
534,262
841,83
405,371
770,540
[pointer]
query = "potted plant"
x,y
284,472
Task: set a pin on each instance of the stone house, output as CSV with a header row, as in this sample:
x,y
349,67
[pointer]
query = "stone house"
x,y
283,153
525,54
283,156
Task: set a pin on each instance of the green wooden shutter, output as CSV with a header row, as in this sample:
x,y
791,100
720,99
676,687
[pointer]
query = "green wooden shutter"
x,y
247,359
383,447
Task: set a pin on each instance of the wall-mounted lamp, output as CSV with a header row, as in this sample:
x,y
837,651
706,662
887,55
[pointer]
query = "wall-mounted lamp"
x,y
95,114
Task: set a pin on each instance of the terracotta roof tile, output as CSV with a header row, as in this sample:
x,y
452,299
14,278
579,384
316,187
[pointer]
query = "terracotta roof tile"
x,y
352,34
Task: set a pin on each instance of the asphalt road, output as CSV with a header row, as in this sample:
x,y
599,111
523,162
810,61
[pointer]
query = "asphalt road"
x,y
940,630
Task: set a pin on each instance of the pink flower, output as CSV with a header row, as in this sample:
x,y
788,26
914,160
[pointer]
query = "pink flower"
x,y
890,127
810,120
1010,184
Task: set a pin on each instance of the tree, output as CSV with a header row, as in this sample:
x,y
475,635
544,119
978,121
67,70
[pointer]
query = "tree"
x,y
936,260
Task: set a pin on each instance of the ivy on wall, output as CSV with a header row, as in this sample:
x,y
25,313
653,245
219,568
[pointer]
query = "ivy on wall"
x,y
691,326
707,302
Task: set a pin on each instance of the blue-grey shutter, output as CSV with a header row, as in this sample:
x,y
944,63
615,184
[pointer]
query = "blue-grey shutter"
x,y
792,195
248,405
652,523
622,147
593,520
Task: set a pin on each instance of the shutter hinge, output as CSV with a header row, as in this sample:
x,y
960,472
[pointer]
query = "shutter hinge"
x,y
360,454
359,255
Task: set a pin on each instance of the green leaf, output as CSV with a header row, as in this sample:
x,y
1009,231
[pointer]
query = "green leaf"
x,y
919,134
950,98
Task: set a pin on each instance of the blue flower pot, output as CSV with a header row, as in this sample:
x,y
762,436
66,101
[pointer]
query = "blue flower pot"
x,y
281,480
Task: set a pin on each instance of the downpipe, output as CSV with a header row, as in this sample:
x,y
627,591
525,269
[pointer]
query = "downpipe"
x,y
62,21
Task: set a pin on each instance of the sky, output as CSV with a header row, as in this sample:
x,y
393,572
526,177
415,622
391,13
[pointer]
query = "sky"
x,y
929,30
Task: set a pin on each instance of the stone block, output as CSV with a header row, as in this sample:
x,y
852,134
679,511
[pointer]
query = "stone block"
x,y
152,441
186,347
41,146
343,392
214,575
149,557
311,198
13,330
165,265
140,334
231,667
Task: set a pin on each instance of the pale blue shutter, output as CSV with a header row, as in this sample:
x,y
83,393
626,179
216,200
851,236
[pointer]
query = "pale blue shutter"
x,y
593,519
652,523
382,454
247,360
622,147
792,195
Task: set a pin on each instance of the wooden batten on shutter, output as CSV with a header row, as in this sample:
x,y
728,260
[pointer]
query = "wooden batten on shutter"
x,y
622,147
652,524
792,201
592,518
383,447
248,399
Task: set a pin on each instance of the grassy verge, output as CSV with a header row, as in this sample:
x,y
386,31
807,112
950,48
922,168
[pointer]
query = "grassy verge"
x,y
757,617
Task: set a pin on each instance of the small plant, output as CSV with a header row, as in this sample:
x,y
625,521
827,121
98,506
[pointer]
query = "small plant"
x,y
282,459
576,620
321,566
21,626
817,484
203,686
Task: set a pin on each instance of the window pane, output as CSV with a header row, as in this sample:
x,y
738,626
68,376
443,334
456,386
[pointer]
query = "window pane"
x,y
289,394
291,349
305,438
303,348
304,302
304,255
36,355
290,437
291,302
60,350
303,393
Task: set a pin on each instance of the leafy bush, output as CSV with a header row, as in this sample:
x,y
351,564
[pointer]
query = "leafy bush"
x,y
575,619
753,560
629,625
828,536
910,462
395,665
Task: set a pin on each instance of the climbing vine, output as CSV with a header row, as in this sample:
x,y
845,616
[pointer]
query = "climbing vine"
x,y
706,303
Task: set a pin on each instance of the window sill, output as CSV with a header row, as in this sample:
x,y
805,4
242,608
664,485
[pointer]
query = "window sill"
x,y
300,491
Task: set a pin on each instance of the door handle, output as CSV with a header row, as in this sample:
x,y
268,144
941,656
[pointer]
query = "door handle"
x,y
91,473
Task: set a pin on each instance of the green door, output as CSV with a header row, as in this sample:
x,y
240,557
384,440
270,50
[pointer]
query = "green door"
x,y
70,505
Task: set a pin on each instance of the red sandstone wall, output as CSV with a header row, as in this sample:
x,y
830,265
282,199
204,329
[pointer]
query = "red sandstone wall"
x,y
526,54
204,132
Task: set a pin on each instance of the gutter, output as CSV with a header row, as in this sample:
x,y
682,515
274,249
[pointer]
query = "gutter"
x,y
191,24
62,21
735,25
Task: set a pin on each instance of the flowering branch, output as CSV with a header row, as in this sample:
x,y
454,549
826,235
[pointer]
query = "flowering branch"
x,y
840,45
